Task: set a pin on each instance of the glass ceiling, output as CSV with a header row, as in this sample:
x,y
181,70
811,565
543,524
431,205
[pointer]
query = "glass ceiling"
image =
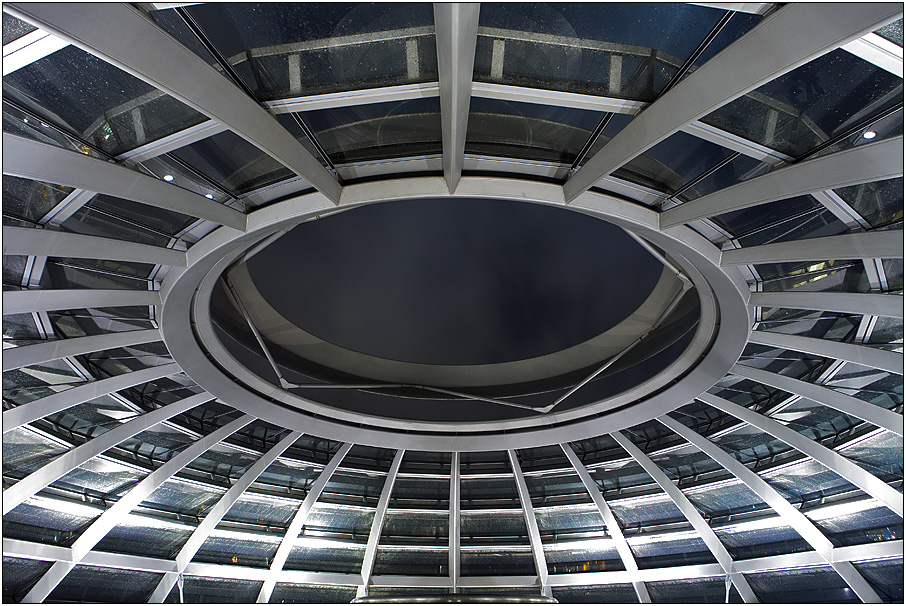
x,y
124,480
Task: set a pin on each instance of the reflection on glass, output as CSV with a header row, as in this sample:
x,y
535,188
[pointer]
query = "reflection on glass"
x,y
234,163
31,200
880,202
528,130
801,109
781,221
893,271
291,49
625,50
375,131
673,162
837,275
97,101
125,220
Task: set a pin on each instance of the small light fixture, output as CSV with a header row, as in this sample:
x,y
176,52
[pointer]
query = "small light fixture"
x,y
25,120
209,196
869,134
168,177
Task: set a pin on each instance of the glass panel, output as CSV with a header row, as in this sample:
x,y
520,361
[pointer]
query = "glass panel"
x,y
527,130
87,273
880,453
880,202
892,31
887,334
262,510
763,537
596,594
893,271
339,521
424,527
14,269
102,104
234,163
673,162
375,131
162,167
92,418
351,487
740,168
81,322
817,324
181,497
242,549
482,493
816,584
297,593
650,510
497,562
326,556
53,521
807,482
120,219
20,326
20,574
31,200
857,522
284,49
431,493
14,28
801,109
145,536
25,451
723,499
97,584
416,461
556,488
482,528
692,590
624,50
837,275
781,221
582,556
569,521
885,575
218,591
669,549
879,387
411,560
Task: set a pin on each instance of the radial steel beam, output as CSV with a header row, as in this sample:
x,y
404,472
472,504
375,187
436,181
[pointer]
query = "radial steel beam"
x,y
830,459
456,26
17,357
44,162
792,36
531,524
788,514
47,243
295,526
374,536
123,36
886,419
889,306
215,515
613,526
891,361
698,522
115,514
28,301
455,523
862,245
48,405
860,164
38,480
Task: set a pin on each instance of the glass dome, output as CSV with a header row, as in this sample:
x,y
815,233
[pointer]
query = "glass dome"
x,y
322,302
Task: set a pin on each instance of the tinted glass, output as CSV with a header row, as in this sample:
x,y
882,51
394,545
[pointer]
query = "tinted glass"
x,y
100,103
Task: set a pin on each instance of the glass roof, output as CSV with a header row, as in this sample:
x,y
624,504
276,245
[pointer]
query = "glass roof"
x,y
127,479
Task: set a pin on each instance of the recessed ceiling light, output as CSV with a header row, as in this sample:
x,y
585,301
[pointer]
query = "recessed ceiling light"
x,y
869,134
168,177
209,196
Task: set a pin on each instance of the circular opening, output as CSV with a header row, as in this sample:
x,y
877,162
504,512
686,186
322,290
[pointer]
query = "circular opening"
x,y
454,310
